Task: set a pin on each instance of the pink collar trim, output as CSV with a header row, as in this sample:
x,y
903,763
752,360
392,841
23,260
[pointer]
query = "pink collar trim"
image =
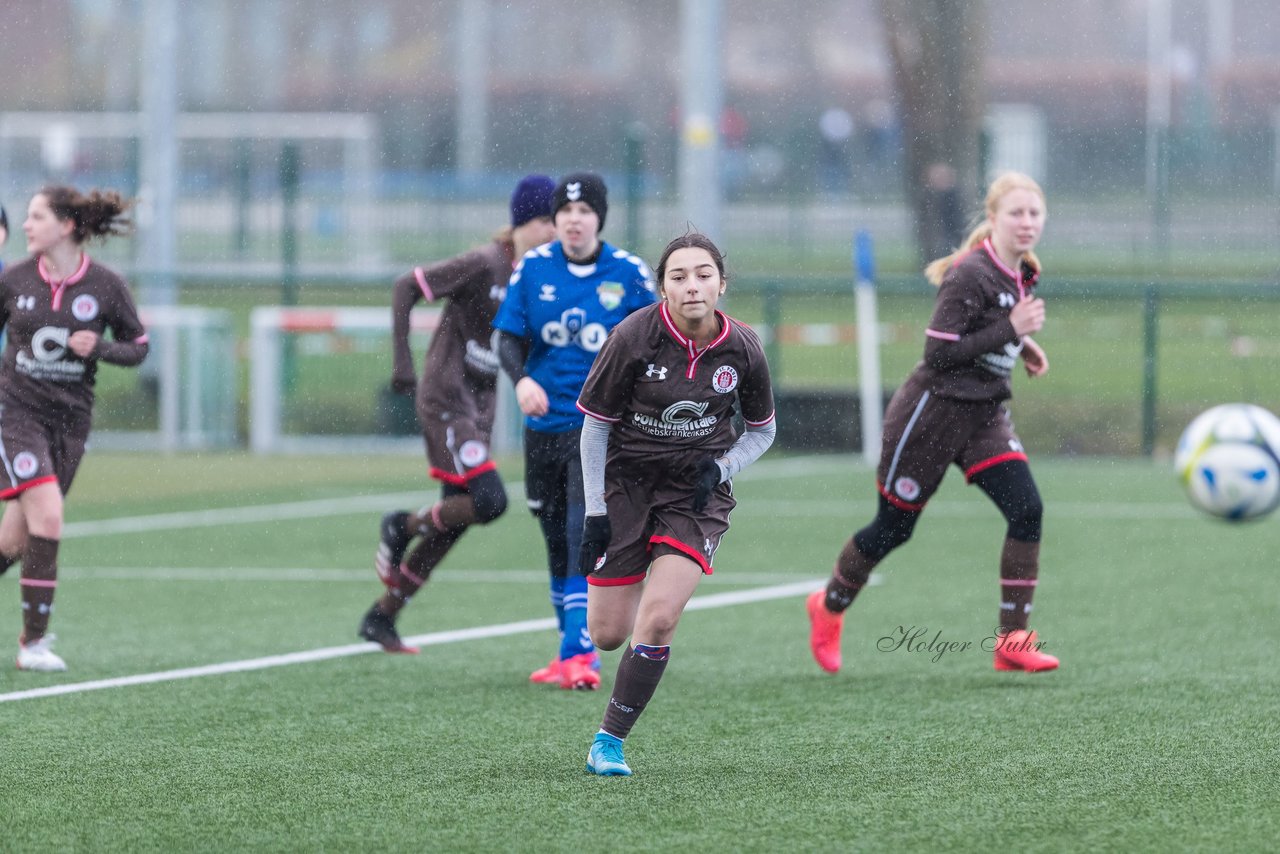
x,y
693,352
687,343
69,280
1016,275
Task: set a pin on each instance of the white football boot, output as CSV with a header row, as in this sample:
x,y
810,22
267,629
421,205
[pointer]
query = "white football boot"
x,y
37,655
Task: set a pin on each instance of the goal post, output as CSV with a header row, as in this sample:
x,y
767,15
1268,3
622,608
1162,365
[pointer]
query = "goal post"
x,y
188,401
214,183
316,374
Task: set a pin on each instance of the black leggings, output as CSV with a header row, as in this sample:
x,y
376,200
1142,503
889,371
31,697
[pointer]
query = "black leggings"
x,y
553,486
1009,485
1012,488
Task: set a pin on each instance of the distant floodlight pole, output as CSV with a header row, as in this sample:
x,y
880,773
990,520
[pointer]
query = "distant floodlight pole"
x,y
157,217
473,87
157,246
633,165
870,390
1221,18
1159,113
701,96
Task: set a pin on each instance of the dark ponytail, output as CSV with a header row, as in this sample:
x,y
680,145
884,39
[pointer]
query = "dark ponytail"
x,y
98,214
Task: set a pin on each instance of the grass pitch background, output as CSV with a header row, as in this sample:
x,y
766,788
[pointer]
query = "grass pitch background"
x,y
1158,733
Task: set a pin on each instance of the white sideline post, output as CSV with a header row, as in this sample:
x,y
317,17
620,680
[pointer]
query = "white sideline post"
x,y
264,378
195,366
864,291
267,325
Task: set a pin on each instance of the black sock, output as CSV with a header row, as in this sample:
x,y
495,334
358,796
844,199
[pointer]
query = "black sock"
x,y
853,568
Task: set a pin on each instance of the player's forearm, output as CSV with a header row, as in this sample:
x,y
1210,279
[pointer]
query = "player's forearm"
x,y
512,353
127,354
593,447
405,293
943,352
749,447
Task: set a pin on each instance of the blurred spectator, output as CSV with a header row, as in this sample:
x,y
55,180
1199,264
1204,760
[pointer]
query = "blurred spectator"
x,y
943,211
881,144
836,128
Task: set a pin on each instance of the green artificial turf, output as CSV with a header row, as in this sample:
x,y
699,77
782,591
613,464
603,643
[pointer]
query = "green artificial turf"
x,y
1159,732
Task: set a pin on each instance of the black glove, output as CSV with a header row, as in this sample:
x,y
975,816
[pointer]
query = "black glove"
x,y
705,480
596,534
404,384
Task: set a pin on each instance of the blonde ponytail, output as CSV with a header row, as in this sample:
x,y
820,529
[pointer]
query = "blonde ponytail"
x,y
937,269
1004,183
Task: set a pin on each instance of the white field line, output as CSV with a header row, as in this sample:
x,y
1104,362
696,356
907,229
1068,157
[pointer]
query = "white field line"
x,y
229,574
947,508
257,513
810,507
324,507
699,603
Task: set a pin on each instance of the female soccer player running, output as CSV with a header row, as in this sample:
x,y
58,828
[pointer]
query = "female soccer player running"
x,y
455,404
4,231
951,411
562,301
659,450
55,307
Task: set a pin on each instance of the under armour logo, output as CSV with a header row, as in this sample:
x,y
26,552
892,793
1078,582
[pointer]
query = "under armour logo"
x,y
573,192
655,371
548,293
26,303
1007,300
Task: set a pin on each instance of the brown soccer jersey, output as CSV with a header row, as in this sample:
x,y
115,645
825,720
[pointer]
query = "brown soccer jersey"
x,y
39,373
971,348
457,391
670,404
459,362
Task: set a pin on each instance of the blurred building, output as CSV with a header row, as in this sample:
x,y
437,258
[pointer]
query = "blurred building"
x,y
565,80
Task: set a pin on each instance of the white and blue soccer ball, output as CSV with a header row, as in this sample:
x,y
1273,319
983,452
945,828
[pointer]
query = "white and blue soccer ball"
x,y
1227,461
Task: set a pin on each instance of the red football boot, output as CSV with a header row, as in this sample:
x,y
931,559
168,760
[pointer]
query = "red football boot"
x,y
549,675
577,673
824,632
1019,650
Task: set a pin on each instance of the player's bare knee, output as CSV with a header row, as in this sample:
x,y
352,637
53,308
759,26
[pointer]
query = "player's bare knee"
x,y
657,628
606,637
48,526
12,546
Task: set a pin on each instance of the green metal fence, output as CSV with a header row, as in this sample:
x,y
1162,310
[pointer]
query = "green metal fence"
x,y
1131,362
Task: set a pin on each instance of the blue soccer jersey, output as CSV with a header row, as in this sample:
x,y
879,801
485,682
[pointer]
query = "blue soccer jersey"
x,y
565,311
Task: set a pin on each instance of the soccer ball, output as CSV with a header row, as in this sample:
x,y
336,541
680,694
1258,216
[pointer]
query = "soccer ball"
x,y
1227,460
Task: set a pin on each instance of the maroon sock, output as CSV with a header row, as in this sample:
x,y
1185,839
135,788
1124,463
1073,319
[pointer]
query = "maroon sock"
x,y
1019,569
39,579
447,514
853,568
638,675
417,568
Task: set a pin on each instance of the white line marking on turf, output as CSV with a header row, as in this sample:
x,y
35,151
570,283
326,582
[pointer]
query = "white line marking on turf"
x,y
698,603
315,509
225,574
814,508
322,507
820,508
